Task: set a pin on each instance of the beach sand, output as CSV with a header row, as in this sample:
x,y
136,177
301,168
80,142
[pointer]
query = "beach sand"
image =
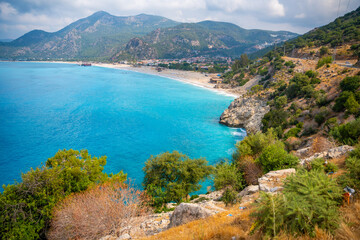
x,y
190,77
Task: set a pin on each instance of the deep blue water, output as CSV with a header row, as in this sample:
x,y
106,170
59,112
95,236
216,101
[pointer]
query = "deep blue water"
x,y
124,115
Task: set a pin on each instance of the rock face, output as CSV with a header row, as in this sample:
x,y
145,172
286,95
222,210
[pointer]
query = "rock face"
x,y
329,154
249,190
187,212
245,112
273,181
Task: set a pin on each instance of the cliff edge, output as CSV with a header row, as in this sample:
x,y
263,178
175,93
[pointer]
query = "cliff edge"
x,y
245,112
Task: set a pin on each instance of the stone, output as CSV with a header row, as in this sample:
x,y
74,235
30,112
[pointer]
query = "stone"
x,y
273,181
245,112
187,212
249,190
328,154
124,236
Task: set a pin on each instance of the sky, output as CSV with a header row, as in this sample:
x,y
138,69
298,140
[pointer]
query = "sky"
x,y
18,17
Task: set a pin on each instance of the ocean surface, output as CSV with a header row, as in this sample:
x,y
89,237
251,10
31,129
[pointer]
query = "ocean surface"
x,y
124,115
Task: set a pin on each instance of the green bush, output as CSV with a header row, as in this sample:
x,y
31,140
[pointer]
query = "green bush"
x,y
348,133
323,61
226,174
229,196
172,176
330,167
324,50
341,100
292,132
350,84
275,157
26,207
317,164
309,199
320,117
254,144
275,118
351,105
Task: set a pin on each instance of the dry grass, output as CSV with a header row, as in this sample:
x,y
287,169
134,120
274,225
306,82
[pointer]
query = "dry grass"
x,y
102,210
350,225
220,226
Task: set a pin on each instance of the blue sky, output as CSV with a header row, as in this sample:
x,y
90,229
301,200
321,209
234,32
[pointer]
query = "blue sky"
x,y
20,16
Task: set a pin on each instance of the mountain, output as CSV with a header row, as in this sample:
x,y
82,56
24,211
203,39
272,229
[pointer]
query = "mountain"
x,y
101,36
97,36
207,38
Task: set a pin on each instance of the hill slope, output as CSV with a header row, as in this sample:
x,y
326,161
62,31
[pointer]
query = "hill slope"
x,y
98,35
207,38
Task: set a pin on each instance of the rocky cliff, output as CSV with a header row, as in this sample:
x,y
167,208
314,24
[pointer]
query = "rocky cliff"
x,y
245,112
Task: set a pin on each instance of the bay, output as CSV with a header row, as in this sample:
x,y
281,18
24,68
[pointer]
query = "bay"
x,y
124,115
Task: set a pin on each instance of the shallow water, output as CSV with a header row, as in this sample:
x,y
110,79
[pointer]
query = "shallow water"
x,y
124,115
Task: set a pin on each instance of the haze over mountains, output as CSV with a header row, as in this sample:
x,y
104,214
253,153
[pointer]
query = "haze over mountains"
x,y
104,36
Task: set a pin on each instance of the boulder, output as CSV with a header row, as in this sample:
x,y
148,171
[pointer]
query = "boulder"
x,y
329,154
249,190
245,112
124,236
273,181
187,212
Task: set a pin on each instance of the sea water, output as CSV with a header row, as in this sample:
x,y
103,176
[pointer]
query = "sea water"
x,y
124,115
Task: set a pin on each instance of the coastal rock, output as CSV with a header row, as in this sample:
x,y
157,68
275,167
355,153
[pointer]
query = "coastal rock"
x,y
273,181
328,154
245,112
187,212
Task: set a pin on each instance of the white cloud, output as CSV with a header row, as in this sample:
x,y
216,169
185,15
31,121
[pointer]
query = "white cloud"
x,y
20,16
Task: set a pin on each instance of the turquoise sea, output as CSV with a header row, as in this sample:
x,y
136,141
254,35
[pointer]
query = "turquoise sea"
x,y
124,115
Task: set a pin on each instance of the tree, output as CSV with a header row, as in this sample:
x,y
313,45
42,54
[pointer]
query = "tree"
x,y
244,60
172,176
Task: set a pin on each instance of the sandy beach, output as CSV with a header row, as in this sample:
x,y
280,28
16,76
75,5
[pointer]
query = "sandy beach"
x,y
190,77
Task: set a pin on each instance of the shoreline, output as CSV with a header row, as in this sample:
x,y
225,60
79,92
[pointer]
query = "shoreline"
x,y
190,77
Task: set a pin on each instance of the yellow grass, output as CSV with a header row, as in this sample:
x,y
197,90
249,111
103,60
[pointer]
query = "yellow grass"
x,y
219,226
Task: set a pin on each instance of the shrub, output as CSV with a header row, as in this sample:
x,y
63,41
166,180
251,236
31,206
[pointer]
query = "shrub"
x,y
254,144
26,206
172,176
330,167
350,84
274,157
311,74
324,50
227,174
309,199
275,118
321,115
292,132
323,61
102,210
341,100
229,196
251,170
348,133
351,105
317,164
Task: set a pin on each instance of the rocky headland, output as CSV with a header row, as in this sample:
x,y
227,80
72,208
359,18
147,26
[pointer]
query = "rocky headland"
x,y
245,112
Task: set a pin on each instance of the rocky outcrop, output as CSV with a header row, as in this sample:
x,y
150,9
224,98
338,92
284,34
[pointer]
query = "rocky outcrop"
x,y
249,190
273,181
328,154
187,212
245,112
